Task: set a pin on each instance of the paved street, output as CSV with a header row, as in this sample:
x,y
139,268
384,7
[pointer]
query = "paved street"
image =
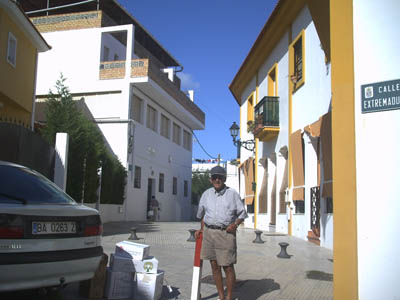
x,y
260,274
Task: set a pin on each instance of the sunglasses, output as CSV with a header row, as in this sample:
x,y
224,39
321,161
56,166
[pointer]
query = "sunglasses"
x,y
215,177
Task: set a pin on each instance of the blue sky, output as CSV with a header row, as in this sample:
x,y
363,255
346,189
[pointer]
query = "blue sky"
x,y
210,39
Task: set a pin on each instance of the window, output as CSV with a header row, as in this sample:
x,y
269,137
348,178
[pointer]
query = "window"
x,y
297,63
187,140
106,53
185,188
137,107
272,82
12,49
165,126
151,118
176,134
116,57
138,176
299,206
329,205
161,183
174,185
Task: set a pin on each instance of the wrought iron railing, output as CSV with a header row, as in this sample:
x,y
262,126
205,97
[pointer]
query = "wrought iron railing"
x,y
315,205
266,112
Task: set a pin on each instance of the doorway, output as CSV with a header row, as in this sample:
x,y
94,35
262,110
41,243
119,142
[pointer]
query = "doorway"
x,y
150,192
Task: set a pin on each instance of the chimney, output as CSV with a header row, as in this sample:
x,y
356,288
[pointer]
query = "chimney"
x,y
191,95
170,73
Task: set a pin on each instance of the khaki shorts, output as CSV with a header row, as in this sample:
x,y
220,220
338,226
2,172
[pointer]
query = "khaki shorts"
x,y
219,245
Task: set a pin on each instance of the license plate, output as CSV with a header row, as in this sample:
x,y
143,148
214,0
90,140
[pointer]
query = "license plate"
x,y
53,227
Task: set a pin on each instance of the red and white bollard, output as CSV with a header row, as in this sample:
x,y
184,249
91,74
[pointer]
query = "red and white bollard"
x,y
197,266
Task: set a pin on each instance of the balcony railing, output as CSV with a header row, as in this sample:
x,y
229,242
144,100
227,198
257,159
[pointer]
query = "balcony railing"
x,y
266,117
144,67
266,111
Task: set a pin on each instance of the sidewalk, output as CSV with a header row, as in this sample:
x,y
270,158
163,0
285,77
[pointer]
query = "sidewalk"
x,y
260,274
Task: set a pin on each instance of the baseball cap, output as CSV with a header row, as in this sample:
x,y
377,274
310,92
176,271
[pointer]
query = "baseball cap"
x,y
218,171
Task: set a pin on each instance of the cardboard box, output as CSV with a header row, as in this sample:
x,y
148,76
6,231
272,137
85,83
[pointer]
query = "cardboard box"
x,y
120,285
148,265
149,286
94,288
121,264
132,250
124,264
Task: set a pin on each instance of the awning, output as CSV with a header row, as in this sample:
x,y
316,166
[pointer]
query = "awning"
x,y
322,129
248,171
296,143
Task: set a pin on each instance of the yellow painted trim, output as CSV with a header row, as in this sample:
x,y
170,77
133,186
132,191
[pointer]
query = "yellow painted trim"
x,y
250,107
345,267
267,133
272,89
290,91
256,164
299,83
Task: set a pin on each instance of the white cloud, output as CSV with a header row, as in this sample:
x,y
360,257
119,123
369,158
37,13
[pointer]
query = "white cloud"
x,y
188,82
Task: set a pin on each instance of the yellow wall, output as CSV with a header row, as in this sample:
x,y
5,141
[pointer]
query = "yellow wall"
x,y
345,275
16,84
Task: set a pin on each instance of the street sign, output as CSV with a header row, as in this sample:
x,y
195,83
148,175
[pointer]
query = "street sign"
x,y
380,96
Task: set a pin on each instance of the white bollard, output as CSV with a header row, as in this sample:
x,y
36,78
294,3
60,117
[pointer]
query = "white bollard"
x,y
197,268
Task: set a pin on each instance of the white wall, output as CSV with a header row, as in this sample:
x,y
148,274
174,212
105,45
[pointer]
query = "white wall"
x,y
312,100
77,54
109,212
376,59
156,154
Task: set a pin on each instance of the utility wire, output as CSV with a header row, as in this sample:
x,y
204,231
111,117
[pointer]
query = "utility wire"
x,y
198,141
217,115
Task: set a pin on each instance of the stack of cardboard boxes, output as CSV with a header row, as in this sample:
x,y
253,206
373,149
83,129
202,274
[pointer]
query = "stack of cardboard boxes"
x,y
133,273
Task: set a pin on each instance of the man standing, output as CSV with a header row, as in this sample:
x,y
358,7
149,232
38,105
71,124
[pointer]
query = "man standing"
x,y
221,212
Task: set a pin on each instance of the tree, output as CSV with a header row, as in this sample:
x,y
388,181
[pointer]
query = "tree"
x,y
87,151
200,183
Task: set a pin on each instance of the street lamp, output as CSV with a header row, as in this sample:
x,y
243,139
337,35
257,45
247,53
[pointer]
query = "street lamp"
x,y
248,145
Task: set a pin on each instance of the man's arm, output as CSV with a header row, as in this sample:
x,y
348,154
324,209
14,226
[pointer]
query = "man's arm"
x,y
197,233
234,226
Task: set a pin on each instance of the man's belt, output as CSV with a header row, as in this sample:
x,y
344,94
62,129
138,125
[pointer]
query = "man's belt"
x,y
216,227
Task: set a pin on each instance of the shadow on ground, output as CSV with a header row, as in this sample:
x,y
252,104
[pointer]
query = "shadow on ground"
x,y
114,228
170,294
32,295
246,289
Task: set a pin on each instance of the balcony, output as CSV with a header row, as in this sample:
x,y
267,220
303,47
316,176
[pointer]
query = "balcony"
x,y
145,68
266,116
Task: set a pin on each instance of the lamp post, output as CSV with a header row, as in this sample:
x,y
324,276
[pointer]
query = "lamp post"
x,y
248,145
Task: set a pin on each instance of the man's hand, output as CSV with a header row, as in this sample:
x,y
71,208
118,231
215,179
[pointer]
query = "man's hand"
x,y
231,228
197,233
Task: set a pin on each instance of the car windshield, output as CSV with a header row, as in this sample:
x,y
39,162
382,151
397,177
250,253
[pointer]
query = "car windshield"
x,y
22,185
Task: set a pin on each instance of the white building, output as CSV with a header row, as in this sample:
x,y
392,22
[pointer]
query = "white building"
x,y
288,160
129,83
334,67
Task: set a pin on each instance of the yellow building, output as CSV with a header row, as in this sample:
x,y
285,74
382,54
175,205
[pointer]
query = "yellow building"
x,y
20,44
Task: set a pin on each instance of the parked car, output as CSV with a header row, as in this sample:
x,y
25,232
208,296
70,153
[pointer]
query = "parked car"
x,y
46,238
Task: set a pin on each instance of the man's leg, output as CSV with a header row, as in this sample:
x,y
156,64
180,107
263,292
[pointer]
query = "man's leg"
x,y
230,280
217,274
